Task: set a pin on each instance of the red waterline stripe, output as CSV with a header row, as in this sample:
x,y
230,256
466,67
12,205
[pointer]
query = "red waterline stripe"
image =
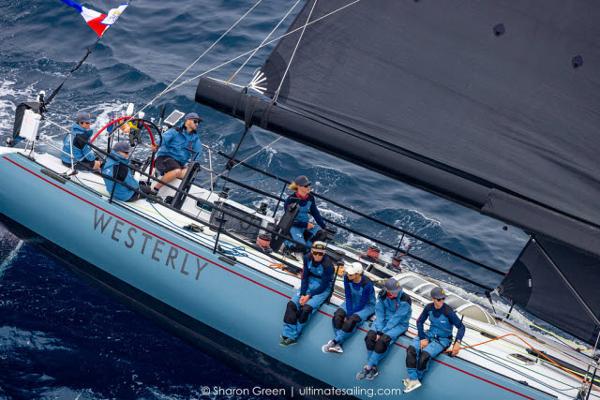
x,y
147,231
240,275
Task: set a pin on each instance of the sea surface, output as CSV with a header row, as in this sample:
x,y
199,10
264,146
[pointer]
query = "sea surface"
x,y
61,337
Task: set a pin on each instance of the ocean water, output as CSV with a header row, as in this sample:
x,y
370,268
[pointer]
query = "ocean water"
x,y
60,336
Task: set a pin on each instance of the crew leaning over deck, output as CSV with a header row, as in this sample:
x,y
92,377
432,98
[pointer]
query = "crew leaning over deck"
x,y
392,313
180,145
427,345
315,287
307,206
75,144
117,167
358,307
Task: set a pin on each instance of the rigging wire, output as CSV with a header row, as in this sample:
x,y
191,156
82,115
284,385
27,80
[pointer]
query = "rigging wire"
x,y
289,64
264,40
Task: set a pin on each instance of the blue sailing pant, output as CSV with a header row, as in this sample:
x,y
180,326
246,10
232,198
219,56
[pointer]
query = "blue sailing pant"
x,y
293,331
434,348
341,336
297,233
374,358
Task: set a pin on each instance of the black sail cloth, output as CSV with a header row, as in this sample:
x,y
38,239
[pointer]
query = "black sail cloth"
x,y
495,105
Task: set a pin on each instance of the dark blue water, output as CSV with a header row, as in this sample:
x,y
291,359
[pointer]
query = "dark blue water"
x,y
60,337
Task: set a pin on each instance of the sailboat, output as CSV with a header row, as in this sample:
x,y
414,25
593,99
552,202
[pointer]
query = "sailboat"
x,y
490,105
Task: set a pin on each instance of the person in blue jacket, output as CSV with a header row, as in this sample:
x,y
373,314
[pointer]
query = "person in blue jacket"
x,y
427,345
180,145
117,167
392,313
75,144
307,206
315,287
358,307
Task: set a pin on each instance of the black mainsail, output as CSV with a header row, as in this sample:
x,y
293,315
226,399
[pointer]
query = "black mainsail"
x,y
494,105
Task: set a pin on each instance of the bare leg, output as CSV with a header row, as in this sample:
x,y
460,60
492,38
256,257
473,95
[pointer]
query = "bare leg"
x,y
169,176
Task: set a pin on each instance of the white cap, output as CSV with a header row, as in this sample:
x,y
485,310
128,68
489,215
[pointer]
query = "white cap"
x,y
354,268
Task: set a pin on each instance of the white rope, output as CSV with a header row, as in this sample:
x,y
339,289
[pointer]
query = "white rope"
x,y
287,68
287,14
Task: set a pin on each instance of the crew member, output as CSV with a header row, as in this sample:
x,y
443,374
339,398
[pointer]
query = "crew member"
x,y
306,205
358,307
392,313
315,287
75,145
427,345
180,145
117,167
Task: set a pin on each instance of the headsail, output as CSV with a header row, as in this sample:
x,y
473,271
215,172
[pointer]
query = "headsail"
x,y
494,105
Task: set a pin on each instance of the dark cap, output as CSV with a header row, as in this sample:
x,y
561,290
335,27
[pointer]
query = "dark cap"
x,y
122,146
83,116
192,115
302,180
392,286
438,293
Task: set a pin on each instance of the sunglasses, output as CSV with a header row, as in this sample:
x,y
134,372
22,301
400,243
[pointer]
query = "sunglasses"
x,y
442,299
317,253
196,121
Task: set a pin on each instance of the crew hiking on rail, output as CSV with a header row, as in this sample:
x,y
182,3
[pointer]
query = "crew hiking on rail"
x,y
76,150
392,314
428,345
358,307
315,287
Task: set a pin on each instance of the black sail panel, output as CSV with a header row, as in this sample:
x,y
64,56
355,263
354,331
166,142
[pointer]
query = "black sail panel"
x,y
539,282
491,104
434,79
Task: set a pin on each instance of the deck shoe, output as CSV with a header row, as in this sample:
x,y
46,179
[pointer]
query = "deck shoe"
x,y
373,372
337,348
411,385
286,341
326,348
363,373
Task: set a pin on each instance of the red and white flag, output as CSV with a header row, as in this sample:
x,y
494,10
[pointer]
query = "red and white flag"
x,y
98,21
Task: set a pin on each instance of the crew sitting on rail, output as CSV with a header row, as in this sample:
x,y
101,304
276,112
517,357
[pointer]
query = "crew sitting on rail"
x,y
180,145
315,287
427,345
117,167
306,204
392,313
358,307
75,145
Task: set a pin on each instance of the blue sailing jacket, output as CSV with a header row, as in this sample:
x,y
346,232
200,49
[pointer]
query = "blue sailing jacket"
x,y
306,207
392,315
85,153
441,323
121,192
359,295
316,277
180,145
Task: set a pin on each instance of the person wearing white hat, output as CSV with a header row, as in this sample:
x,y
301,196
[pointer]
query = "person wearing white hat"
x,y
358,307
392,314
